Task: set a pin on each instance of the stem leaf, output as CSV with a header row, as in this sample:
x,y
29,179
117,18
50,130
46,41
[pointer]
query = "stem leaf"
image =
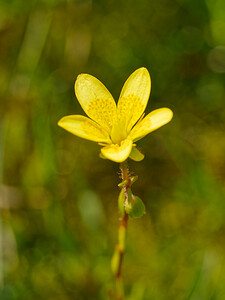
x,y
115,261
121,201
136,208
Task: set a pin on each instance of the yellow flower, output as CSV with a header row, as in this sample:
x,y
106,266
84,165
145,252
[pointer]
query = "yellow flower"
x,y
115,127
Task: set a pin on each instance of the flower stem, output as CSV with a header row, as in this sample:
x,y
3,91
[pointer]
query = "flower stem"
x,y
120,247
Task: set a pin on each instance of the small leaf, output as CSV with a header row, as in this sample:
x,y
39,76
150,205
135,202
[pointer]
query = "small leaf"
x,y
134,179
121,201
136,154
122,183
136,208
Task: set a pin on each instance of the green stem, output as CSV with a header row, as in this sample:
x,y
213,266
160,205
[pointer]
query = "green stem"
x,y
120,247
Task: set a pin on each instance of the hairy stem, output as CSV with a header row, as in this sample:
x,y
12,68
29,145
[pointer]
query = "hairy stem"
x,y
120,247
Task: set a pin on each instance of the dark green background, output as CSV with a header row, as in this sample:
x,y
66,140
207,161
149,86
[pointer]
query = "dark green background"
x,y
58,200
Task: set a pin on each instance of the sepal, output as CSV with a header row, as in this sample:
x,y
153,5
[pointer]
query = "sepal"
x,y
102,156
136,155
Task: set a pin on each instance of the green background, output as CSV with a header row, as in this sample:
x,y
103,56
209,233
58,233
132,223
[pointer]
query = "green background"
x,y
58,202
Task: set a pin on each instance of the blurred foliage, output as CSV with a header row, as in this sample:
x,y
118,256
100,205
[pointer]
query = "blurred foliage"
x,y
58,200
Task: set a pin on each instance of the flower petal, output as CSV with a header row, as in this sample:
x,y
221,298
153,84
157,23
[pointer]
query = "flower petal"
x,y
118,153
96,100
84,128
151,122
134,98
